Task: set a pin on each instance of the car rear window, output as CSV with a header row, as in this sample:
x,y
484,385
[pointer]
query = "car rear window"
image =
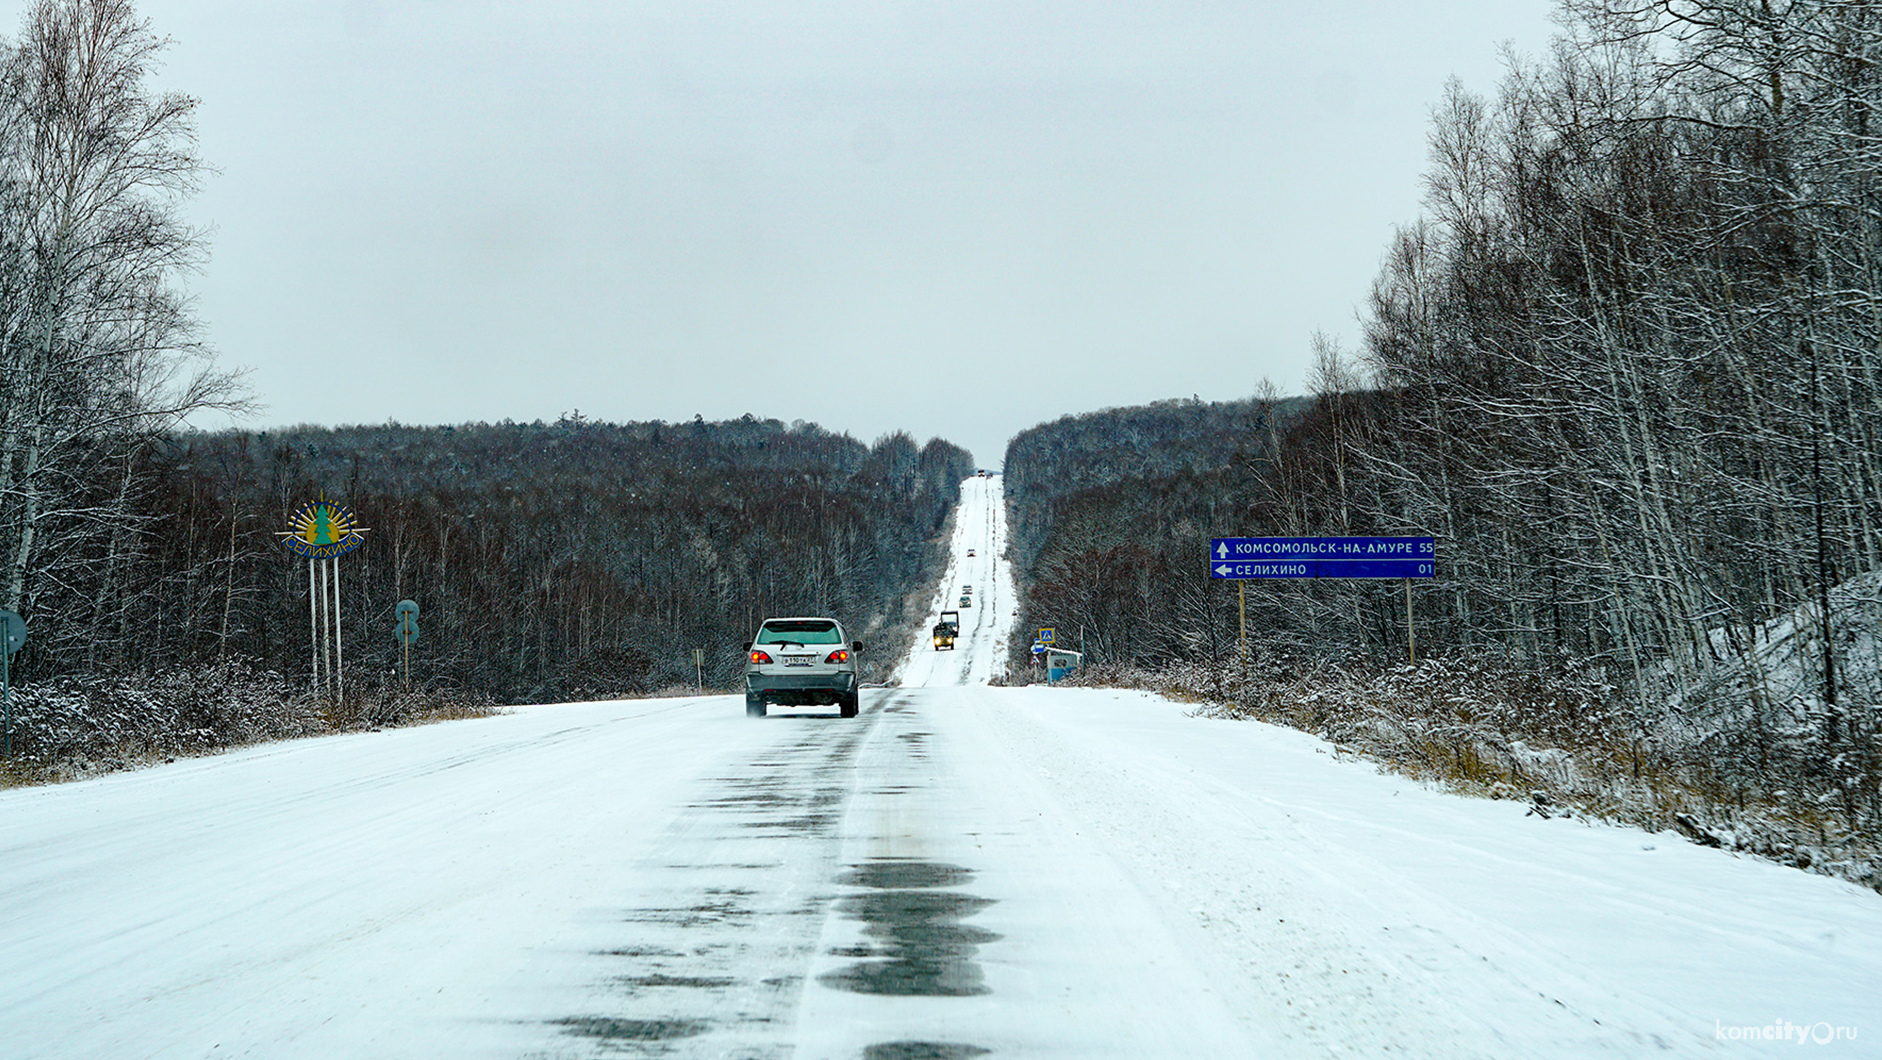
x,y
800,631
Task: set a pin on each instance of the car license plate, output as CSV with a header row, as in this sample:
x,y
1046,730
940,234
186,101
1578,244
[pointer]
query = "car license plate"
x,y
799,660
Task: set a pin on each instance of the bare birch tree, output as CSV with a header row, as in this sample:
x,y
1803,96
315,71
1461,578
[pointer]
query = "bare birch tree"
x,y
97,346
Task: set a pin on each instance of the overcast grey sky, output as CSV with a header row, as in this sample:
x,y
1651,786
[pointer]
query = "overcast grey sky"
x,y
958,219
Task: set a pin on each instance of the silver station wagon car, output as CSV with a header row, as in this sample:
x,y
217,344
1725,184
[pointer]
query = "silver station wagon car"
x,y
800,662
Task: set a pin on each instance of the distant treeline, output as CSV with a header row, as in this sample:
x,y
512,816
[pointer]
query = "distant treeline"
x,y
1112,513
1168,439
549,560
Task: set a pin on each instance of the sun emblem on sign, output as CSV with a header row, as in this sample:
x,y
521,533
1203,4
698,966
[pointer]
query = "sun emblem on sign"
x,y
322,530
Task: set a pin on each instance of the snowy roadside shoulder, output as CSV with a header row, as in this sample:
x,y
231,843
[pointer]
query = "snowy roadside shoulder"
x,y
71,728
1364,914
1558,739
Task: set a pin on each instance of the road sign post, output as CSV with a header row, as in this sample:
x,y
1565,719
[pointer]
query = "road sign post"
x,y
12,639
1244,559
699,670
1241,602
408,635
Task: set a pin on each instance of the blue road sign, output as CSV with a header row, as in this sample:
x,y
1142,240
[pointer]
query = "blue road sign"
x,y
1243,558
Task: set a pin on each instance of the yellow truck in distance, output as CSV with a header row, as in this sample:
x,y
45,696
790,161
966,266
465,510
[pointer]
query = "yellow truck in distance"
x,y
946,630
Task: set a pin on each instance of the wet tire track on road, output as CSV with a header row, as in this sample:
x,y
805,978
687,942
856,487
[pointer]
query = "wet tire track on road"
x,y
709,958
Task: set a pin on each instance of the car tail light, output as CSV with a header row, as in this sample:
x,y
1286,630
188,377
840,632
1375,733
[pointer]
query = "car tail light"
x,y
837,656
760,658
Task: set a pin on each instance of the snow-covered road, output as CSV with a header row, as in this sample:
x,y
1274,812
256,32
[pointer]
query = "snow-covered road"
x,y
1033,872
978,656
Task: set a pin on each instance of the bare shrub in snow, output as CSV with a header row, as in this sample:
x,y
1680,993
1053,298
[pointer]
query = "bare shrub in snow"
x,y
78,725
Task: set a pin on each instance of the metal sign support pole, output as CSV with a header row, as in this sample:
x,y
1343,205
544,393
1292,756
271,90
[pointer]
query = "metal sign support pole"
x,y
326,632
339,672
313,619
407,632
1241,596
319,574
324,636
12,639
1411,638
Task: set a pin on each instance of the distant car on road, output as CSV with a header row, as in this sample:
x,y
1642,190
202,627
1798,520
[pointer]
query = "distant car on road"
x,y
967,601
970,553
801,662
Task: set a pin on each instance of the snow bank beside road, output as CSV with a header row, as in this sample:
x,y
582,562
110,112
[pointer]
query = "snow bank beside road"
x,y
1566,738
1366,912
415,892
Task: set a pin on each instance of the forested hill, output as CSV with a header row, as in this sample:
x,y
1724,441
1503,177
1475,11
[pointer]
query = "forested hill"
x,y
1047,464
1112,511
549,560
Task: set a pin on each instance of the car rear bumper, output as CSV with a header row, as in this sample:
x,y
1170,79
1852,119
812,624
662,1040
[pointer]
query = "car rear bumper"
x,y
837,682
